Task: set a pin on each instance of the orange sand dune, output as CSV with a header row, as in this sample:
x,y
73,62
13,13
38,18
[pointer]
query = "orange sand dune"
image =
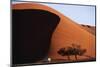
x,y
66,33
89,28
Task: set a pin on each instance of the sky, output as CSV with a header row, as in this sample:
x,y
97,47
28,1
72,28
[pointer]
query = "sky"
x,y
80,14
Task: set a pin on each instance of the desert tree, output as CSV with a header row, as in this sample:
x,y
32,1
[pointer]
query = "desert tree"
x,y
64,52
72,50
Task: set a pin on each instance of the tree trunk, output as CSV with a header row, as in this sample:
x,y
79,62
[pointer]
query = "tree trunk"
x,y
76,57
68,57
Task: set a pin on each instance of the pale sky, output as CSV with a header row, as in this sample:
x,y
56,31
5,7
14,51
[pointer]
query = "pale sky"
x,y
80,14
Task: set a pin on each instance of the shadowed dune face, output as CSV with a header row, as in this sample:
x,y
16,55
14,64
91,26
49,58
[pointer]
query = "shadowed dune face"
x,y
66,33
32,31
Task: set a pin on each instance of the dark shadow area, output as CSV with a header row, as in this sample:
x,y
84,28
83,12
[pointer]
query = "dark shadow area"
x,y
31,34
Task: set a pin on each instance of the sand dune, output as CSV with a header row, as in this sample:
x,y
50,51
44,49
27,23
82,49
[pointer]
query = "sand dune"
x,y
89,28
66,33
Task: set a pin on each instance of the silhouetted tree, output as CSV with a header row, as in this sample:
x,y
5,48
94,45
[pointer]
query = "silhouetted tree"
x,y
63,52
73,50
